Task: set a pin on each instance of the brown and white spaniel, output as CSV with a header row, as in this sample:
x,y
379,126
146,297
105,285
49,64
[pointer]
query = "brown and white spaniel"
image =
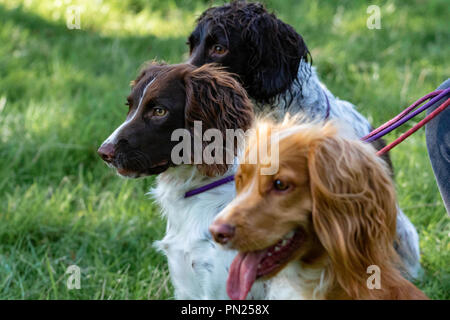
x,y
163,100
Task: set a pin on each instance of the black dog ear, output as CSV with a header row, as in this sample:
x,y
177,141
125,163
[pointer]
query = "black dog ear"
x,y
216,99
276,50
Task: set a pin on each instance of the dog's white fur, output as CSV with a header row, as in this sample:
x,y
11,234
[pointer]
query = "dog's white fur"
x,y
199,267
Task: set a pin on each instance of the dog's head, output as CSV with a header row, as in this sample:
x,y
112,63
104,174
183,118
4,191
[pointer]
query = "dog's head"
x,y
169,97
262,50
332,198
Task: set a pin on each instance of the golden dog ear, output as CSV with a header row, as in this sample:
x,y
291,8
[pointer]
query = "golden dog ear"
x,y
354,208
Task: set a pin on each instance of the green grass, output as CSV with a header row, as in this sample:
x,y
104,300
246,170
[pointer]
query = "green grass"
x,y
62,92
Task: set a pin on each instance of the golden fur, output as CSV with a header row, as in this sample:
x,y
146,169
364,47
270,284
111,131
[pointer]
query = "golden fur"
x,y
342,197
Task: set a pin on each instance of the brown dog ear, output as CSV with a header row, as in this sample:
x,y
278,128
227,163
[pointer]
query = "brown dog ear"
x,y
354,210
218,101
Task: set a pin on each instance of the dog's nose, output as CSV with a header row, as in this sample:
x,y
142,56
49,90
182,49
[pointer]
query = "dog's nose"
x,y
222,232
106,152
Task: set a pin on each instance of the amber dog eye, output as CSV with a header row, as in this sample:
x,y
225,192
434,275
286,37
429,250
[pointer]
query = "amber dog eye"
x,y
159,112
219,49
280,185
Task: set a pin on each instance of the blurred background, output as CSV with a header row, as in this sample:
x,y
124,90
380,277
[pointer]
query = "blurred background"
x,y
62,92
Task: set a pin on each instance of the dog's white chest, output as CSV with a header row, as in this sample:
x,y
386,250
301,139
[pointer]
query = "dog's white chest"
x,y
286,285
198,267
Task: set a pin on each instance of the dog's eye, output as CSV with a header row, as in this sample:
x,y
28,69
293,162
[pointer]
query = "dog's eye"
x,y
159,112
280,185
219,49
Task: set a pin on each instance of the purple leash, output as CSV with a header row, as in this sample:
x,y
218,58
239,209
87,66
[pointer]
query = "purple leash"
x,y
403,117
402,114
209,186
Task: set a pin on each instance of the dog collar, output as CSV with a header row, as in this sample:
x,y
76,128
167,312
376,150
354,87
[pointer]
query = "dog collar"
x,y
209,186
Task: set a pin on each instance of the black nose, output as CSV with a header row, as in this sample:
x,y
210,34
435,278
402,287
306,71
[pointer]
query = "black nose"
x,y
106,151
222,232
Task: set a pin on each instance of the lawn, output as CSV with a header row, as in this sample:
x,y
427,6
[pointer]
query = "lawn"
x,y
62,92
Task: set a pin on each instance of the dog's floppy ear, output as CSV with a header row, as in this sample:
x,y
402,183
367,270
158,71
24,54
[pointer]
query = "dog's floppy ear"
x,y
354,209
276,50
216,99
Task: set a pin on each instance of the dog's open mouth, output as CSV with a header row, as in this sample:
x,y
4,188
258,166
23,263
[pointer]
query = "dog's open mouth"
x,y
249,266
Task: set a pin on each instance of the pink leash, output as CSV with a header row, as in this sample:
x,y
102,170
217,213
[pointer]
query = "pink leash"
x,y
403,117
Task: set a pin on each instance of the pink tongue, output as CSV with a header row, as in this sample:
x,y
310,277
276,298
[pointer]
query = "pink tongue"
x,y
242,274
